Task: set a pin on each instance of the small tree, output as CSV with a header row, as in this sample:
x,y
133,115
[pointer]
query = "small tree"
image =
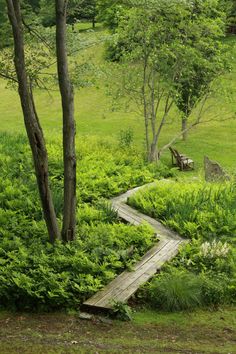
x,y
169,67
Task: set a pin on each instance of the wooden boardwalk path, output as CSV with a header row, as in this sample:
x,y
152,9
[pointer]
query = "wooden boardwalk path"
x,y
127,283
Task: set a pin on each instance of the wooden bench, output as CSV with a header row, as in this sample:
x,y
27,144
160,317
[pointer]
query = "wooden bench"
x,y
182,161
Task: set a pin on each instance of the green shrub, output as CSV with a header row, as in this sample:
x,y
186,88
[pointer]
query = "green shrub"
x,y
215,257
178,289
215,290
175,291
126,138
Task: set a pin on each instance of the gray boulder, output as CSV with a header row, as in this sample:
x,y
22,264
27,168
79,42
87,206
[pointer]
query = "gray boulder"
x,y
214,172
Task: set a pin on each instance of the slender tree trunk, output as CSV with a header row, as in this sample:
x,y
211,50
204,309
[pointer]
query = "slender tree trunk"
x,y
67,97
33,128
93,22
153,155
145,109
184,128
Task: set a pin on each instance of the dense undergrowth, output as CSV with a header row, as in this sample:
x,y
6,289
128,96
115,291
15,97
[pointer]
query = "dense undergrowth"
x,y
204,272
194,210
33,273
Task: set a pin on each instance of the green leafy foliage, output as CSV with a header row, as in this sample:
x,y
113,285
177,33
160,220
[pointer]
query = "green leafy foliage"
x,y
177,289
33,273
122,311
194,210
204,271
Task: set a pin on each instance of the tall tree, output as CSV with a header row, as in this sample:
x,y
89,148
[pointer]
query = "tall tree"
x,y
67,97
33,128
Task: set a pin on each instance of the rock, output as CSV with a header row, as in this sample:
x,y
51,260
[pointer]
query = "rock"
x,y
213,171
85,316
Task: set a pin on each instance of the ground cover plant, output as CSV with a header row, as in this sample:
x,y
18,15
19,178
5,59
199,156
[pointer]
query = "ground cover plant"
x,y
33,273
193,209
204,271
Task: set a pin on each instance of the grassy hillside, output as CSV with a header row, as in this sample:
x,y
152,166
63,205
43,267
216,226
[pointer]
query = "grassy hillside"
x,y
95,117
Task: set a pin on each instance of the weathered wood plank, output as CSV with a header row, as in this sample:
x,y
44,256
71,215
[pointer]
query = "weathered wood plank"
x,y
150,272
127,278
114,283
137,278
127,283
136,218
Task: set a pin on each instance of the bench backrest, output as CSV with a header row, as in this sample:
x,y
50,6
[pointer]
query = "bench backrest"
x,y
176,155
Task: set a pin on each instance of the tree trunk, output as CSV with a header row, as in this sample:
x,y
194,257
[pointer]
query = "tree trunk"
x,y
93,22
67,97
184,127
153,154
33,128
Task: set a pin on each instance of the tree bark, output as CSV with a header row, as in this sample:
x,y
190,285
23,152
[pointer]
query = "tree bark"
x,y
153,155
67,98
93,22
184,128
33,128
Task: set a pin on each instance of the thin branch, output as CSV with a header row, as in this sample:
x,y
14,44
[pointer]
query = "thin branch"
x,y
36,34
197,122
8,77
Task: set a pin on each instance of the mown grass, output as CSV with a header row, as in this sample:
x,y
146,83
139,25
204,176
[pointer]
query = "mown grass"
x,y
95,116
200,332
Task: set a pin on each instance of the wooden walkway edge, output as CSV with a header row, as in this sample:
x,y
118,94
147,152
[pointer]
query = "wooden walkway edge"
x,y
127,283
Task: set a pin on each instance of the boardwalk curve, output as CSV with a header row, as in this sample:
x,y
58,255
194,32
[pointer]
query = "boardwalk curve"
x,y
127,283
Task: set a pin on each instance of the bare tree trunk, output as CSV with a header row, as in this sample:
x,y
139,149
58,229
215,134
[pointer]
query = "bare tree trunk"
x,y
153,155
93,22
67,97
184,128
145,109
33,128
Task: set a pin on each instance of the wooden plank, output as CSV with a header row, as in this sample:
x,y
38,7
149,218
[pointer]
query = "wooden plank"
x,y
127,283
124,283
132,288
114,283
136,218
126,279
137,278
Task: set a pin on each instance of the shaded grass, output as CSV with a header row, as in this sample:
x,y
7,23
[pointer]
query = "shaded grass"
x,y
150,332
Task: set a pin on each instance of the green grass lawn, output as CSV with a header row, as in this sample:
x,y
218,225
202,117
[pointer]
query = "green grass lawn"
x,y
200,332
94,116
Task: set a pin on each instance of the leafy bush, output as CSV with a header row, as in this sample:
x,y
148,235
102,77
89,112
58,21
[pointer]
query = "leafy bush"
x,y
215,290
126,138
196,258
36,275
